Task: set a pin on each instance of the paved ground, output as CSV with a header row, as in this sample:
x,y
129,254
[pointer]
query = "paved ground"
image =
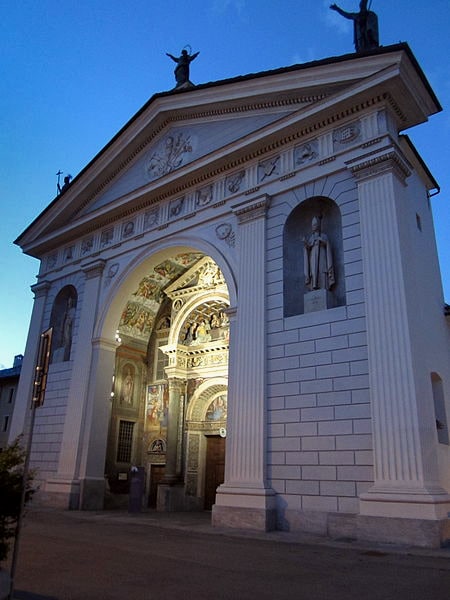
x,y
113,555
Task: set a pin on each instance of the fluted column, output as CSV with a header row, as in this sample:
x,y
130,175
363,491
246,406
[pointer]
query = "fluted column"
x,y
24,390
406,473
245,499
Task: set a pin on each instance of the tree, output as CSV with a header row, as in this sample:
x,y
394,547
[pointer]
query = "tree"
x,y
12,461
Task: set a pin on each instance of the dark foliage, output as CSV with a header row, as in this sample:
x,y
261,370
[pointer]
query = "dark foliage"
x,y
12,461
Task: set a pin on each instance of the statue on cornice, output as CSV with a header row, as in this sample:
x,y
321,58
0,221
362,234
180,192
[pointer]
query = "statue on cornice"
x,y
365,26
318,259
182,69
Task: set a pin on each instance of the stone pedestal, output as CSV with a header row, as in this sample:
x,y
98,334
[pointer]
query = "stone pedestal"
x,y
317,300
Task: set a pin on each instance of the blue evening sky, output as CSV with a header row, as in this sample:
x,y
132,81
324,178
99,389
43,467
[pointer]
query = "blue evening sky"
x,y
74,72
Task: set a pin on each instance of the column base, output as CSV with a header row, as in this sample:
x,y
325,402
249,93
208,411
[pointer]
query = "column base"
x,y
59,493
245,508
432,504
424,533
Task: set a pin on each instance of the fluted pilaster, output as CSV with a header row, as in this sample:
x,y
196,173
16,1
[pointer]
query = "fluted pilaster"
x,y
245,483
405,470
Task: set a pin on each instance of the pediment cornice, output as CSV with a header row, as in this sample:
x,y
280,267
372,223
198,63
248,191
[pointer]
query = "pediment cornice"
x,y
305,113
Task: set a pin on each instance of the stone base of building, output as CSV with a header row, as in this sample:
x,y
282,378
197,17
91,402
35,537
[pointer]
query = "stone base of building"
x,y
424,533
59,493
245,508
256,519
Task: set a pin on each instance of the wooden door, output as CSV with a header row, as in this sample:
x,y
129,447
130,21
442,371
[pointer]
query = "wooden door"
x,y
214,469
156,474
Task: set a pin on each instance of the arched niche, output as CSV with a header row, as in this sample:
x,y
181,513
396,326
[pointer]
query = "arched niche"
x,y
62,320
297,229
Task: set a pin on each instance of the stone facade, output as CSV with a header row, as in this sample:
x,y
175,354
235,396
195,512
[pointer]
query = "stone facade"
x,y
253,261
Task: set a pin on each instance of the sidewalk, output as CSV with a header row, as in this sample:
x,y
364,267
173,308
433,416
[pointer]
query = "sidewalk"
x,y
200,522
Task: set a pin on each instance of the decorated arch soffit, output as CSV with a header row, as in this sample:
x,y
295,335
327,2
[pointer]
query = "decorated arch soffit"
x,y
181,275
139,314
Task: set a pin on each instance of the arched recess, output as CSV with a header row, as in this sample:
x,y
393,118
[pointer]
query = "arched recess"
x,y
297,230
139,419
62,320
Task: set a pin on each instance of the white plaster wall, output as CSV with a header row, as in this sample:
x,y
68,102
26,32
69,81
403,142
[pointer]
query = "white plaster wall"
x,y
319,422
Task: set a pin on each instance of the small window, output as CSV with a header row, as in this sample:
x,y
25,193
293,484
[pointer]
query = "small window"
x,y
418,222
439,409
5,422
11,395
125,441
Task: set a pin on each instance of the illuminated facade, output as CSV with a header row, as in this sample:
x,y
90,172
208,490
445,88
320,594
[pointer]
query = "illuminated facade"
x,y
246,303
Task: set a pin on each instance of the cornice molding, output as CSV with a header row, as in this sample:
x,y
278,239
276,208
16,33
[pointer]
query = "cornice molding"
x,y
377,164
252,210
40,289
94,268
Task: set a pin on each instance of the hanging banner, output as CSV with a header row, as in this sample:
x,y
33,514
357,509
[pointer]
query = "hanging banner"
x,y
41,370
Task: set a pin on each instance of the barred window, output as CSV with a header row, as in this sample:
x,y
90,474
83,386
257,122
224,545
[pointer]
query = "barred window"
x,y
125,441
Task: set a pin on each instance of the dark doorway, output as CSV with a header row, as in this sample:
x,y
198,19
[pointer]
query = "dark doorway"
x,y
215,468
156,474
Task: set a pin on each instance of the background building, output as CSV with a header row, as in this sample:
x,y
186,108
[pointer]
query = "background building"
x,y
9,380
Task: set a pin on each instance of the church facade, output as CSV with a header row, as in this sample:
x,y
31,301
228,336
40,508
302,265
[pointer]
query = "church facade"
x,y
246,306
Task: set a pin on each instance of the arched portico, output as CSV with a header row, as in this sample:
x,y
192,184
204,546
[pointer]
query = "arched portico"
x,y
148,419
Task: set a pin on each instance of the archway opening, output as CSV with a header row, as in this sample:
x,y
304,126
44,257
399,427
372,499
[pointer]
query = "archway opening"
x,y
172,349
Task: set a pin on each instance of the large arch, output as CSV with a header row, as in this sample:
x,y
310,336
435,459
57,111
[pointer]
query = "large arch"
x,y
133,414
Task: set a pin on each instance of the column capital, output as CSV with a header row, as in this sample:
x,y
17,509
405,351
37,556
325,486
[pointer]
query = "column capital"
x,y
94,268
377,163
250,210
40,289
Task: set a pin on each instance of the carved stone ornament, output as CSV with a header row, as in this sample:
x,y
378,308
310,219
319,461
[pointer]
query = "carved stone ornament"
x,y
306,153
233,182
204,196
112,272
127,229
87,245
106,237
177,305
176,207
68,253
52,260
269,168
171,154
347,134
225,232
151,217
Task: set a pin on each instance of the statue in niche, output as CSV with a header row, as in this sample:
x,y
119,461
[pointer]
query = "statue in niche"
x,y
365,26
318,259
182,69
62,351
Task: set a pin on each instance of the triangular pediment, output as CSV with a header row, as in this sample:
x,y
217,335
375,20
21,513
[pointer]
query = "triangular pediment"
x,y
177,147
180,140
